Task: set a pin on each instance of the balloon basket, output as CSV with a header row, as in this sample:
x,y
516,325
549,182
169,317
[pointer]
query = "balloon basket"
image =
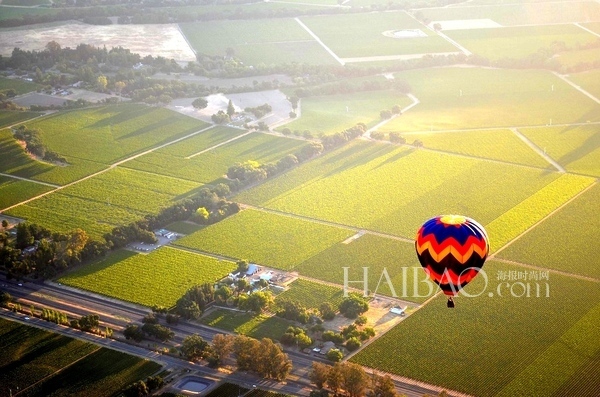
x,y
450,303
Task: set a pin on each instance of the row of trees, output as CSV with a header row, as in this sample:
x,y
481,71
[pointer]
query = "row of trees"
x,y
351,379
34,145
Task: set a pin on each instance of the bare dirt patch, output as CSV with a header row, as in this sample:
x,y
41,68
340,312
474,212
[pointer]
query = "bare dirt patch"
x,y
164,40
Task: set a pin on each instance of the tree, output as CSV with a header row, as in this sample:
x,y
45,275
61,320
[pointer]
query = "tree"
x,y
418,143
354,379
137,389
201,215
294,101
134,332
89,322
119,85
5,298
318,374
396,138
200,103
352,344
194,347
246,350
360,320
335,377
230,109
155,382
396,109
222,294
101,82
258,301
327,311
334,355
353,305
222,346
385,114
242,266
384,387
437,27
4,223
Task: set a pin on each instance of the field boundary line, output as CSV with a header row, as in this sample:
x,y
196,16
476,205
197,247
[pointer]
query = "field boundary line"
x,y
377,58
217,145
499,128
57,371
314,36
578,88
187,41
537,149
29,180
110,167
326,223
508,244
442,35
415,102
561,272
586,29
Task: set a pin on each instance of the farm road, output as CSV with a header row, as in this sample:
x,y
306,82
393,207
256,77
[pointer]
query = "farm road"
x,y
539,151
318,40
578,88
29,180
415,102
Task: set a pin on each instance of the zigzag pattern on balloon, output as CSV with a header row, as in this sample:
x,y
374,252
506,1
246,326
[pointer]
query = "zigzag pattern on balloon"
x,y
450,246
449,277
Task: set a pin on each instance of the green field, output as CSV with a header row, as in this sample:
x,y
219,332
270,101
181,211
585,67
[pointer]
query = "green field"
x,y
267,239
30,355
524,215
576,148
528,13
566,241
502,145
311,295
500,345
13,191
25,2
377,254
8,118
116,197
161,277
15,161
519,41
490,98
589,81
20,86
394,190
111,133
183,227
210,166
255,326
19,13
255,42
334,113
363,35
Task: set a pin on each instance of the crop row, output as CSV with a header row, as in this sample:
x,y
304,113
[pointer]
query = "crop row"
x,y
396,190
500,145
311,295
110,133
13,191
575,148
566,240
480,347
531,210
161,277
255,326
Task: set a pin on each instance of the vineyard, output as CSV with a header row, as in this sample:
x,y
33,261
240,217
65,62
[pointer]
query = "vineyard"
x,y
212,165
227,390
377,254
110,133
161,277
334,113
588,80
395,190
575,148
502,145
116,197
30,355
311,295
457,98
13,191
9,118
466,349
519,41
20,86
256,326
565,241
531,210
264,238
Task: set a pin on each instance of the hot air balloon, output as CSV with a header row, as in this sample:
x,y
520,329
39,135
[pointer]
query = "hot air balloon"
x,y
452,250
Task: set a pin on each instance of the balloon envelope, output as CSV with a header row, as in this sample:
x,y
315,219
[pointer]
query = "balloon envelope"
x,y
452,250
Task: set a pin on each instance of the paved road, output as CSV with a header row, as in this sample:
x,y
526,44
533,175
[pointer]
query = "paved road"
x,y
117,315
